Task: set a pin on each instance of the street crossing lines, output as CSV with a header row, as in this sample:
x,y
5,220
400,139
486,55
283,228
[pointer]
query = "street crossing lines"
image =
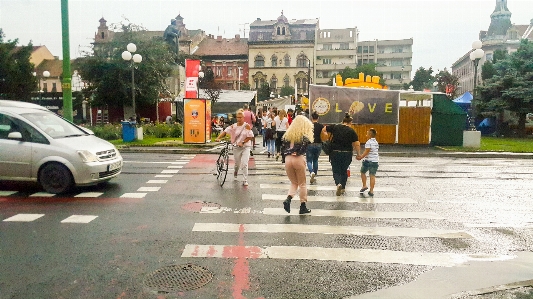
x,y
7,193
324,188
312,198
79,219
336,254
89,194
355,214
42,194
330,230
32,217
23,218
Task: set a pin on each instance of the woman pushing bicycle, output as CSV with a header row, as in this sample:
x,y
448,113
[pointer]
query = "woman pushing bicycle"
x,y
241,138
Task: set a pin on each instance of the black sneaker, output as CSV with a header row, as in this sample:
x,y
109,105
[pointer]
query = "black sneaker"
x,y
370,193
304,209
287,204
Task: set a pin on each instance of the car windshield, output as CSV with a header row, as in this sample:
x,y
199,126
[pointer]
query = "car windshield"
x,y
53,125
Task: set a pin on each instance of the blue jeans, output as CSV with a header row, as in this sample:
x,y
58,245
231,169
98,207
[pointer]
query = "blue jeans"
x,y
313,152
340,161
271,146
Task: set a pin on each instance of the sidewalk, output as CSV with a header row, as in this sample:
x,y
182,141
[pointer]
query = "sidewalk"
x,y
385,150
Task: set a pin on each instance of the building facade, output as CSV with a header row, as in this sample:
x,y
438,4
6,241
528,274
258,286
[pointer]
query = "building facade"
x,y
336,49
281,53
227,58
393,58
501,35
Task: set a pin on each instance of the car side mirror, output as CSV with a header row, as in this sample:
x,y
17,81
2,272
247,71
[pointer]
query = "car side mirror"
x,y
14,135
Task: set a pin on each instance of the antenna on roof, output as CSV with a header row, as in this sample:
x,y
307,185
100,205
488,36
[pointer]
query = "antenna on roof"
x,y
244,29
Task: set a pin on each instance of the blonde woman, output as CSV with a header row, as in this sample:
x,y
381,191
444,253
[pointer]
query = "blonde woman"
x,y
282,124
295,141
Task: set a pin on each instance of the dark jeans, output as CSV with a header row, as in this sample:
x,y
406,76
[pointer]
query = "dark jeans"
x,y
278,141
340,161
313,152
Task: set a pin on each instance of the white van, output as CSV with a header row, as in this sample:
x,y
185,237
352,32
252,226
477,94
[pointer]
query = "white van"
x,y
38,145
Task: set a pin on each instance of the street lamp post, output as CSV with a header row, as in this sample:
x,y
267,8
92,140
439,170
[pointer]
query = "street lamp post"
x,y
435,84
239,80
45,75
127,56
308,76
476,55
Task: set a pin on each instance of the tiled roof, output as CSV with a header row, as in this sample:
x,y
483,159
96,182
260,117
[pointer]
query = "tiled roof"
x,y
55,67
212,47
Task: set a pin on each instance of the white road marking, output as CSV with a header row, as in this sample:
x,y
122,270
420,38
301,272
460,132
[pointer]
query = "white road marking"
x,y
163,176
42,194
156,162
170,171
175,166
157,181
89,194
500,225
7,193
355,214
330,230
148,189
372,200
79,219
24,217
323,188
337,254
133,195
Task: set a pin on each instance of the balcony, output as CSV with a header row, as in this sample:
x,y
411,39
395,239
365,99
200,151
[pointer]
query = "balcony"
x,y
395,55
324,53
383,69
331,67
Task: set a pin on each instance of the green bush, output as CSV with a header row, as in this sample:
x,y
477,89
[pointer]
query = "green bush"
x,y
107,131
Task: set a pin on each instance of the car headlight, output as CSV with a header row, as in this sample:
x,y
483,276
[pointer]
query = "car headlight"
x,y
87,156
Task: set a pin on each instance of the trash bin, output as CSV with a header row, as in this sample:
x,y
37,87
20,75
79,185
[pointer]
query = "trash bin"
x,y
128,131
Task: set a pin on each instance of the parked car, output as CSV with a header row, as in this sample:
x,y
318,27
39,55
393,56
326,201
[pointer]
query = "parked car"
x,y
39,145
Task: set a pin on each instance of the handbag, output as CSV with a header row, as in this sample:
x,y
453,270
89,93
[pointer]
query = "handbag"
x,y
327,146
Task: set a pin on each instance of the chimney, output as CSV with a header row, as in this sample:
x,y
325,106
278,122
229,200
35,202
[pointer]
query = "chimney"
x,y
219,38
259,19
237,37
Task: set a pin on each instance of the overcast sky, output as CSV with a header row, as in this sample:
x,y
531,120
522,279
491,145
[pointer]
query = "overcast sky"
x,y
442,30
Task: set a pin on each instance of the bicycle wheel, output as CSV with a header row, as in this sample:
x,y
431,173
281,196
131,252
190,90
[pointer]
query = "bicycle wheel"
x,y
222,167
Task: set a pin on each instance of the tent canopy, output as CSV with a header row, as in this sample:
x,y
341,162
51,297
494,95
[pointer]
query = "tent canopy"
x,y
465,98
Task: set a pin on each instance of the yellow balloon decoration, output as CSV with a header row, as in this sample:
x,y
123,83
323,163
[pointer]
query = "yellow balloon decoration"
x,y
361,82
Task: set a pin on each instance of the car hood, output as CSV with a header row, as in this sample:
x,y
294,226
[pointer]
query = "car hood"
x,y
87,142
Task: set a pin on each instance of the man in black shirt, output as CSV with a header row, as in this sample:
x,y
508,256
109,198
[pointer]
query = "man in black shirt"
x,y
343,143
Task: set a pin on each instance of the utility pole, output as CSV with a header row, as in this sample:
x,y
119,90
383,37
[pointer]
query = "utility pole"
x,y
67,77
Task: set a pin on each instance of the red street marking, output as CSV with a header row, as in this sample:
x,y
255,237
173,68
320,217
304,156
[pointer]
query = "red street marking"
x,y
241,271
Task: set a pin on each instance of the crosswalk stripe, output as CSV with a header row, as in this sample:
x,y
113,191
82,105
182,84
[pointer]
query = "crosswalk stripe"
x,y
157,181
42,194
7,193
336,254
170,171
133,195
23,217
79,219
323,188
330,230
312,198
89,194
148,189
355,214
175,166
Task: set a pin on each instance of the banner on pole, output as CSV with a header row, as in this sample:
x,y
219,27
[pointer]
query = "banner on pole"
x,y
192,67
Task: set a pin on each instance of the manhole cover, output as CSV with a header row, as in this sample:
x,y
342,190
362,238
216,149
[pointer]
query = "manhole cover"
x,y
176,278
198,205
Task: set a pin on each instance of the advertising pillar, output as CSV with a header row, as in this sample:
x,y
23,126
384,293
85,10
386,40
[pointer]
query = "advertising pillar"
x,y
192,67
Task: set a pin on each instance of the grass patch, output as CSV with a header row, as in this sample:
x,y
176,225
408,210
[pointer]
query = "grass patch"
x,y
497,144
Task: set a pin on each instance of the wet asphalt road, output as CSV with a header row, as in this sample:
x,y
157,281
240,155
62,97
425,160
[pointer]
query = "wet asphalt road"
x,y
148,219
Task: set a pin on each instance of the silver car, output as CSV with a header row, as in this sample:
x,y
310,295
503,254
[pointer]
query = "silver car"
x,y
38,145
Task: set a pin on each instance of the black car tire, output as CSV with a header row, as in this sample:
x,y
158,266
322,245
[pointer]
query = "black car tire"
x,y
55,178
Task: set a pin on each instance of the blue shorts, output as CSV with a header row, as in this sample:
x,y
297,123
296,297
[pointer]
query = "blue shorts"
x,y
371,167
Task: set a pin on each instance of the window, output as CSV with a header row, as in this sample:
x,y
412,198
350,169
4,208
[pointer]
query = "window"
x,y
45,87
326,47
102,35
278,31
218,71
286,81
259,61
371,49
273,83
54,87
283,31
287,59
274,60
326,61
230,71
344,46
301,61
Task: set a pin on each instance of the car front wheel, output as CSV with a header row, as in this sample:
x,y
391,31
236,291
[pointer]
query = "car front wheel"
x,y
55,178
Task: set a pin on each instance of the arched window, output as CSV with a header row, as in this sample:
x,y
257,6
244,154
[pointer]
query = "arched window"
x,y
286,81
273,83
283,31
287,60
274,60
278,32
301,61
102,35
259,61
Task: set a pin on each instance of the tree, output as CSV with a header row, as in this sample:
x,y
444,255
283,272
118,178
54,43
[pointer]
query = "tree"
x,y
263,93
286,91
511,88
447,83
423,79
209,86
109,76
488,70
16,79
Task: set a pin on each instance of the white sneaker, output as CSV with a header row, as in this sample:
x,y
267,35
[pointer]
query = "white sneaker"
x,y
245,183
312,180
